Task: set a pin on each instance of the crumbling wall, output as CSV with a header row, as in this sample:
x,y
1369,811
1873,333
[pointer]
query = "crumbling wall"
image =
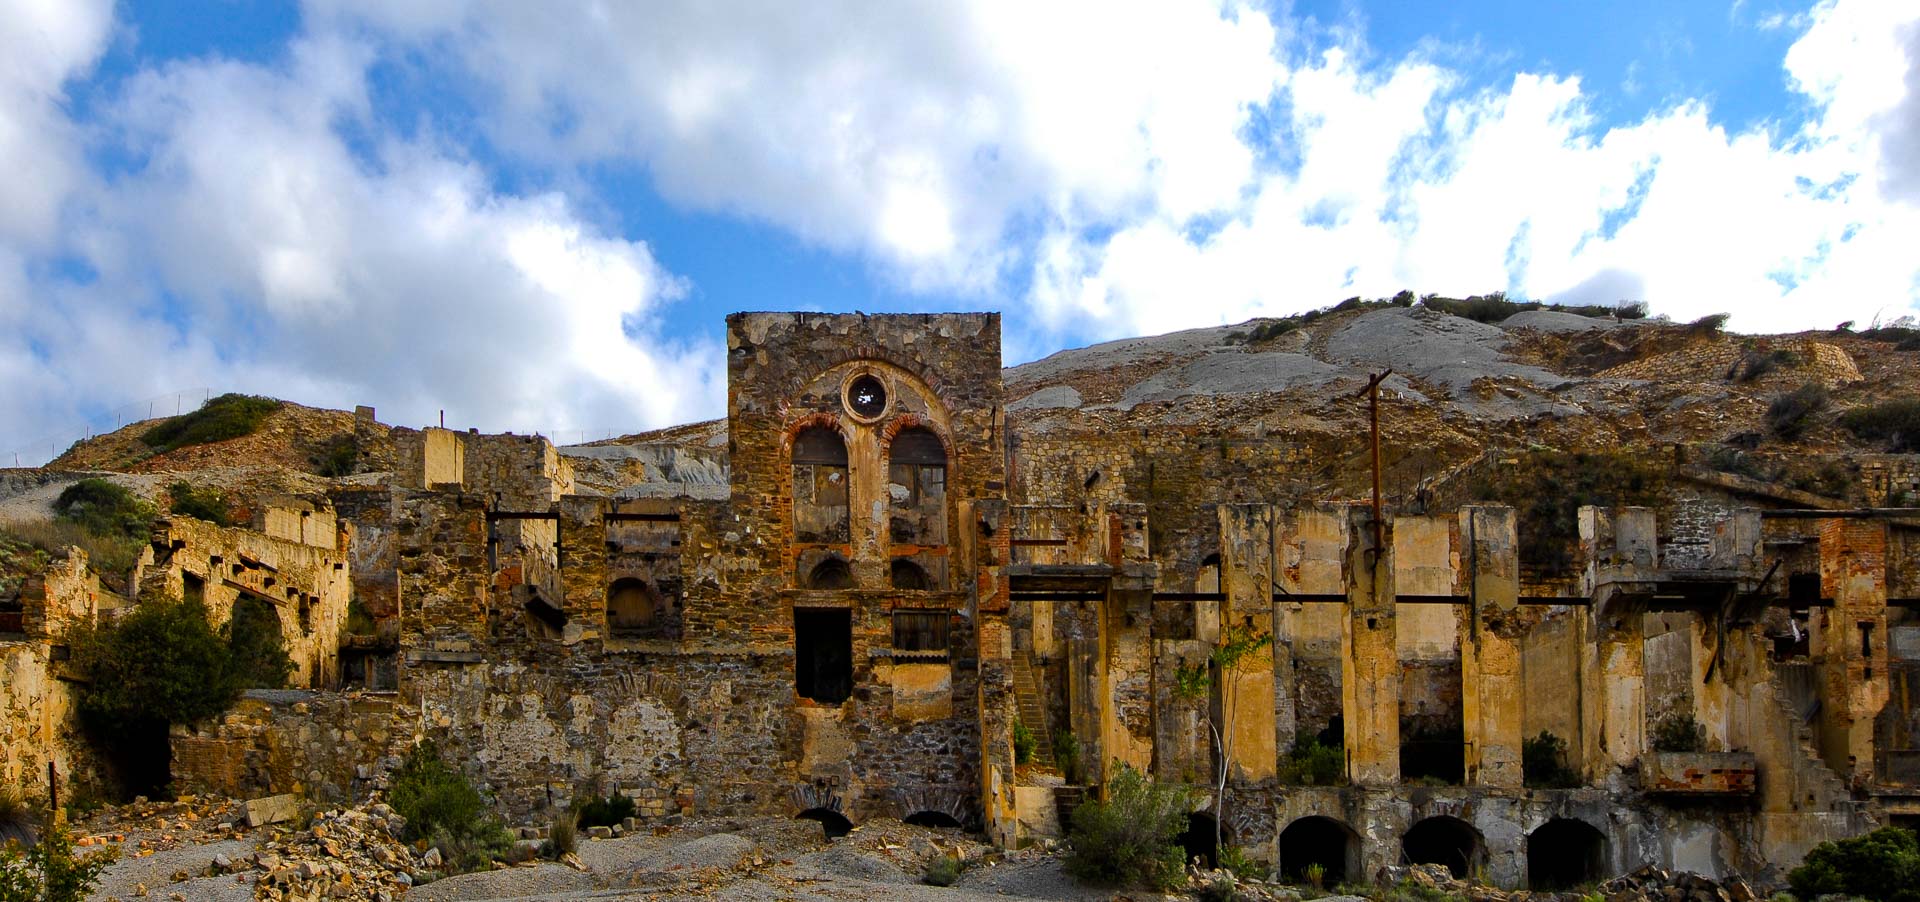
x,y
327,747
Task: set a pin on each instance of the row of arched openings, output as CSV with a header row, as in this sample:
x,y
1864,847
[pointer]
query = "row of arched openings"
x,y
822,501
1561,854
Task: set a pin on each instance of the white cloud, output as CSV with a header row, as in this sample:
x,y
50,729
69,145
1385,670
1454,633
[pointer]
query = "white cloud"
x,y
46,42
254,249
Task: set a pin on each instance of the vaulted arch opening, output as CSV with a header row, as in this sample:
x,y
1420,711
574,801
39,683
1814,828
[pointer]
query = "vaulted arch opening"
x,y
1564,853
831,573
632,606
917,488
832,822
821,506
935,819
1320,842
908,575
1198,840
1444,840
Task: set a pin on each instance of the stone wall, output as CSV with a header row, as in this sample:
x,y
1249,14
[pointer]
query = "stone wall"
x,y
327,747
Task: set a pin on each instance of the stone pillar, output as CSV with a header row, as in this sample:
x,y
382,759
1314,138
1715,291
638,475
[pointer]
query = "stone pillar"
x,y
1852,642
1620,548
1490,656
1246,576
1370,678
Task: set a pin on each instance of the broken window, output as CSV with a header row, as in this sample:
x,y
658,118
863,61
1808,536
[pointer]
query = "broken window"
x,y
917,488
909,575
832,573
823,654
820,503
866,397
632,606
920,630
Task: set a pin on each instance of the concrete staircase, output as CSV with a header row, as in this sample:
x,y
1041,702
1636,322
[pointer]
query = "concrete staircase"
x,y
1798,709
1033,714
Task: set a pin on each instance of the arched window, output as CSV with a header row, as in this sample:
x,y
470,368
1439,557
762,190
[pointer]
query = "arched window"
x,y
632,606
908,575
820,504
832,573
917,488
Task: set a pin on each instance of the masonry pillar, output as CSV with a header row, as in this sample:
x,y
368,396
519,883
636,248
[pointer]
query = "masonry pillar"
x,y
1246,532
1851,640
1490,653
989,551
1620,550
1370,678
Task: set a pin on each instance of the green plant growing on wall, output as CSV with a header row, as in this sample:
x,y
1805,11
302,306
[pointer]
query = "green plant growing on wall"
x,y
1066,754
1313,763
1024,743
1543,763
1679,733
1193,682
209,504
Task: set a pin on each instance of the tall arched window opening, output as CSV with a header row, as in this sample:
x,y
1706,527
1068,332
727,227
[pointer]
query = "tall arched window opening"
x,y
917,488
821,508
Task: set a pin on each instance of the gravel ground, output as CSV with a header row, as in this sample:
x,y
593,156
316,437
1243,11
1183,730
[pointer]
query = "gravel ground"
x,y
156,871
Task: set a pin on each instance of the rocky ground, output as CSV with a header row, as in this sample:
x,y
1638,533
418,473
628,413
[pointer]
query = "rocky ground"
x,y
204,849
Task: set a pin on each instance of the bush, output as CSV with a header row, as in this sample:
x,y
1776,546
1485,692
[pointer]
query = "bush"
x,y
226,417
1313,763
1679,733
1024,743
49,871
444,810
1131,838
1754,364
1066,755
1711,324
563,836
105,510
1894,422
1787,415
338,458
1883,866
1220,888
608,811
1235,860
52,538
258,648
209,504
943,870
162,662
1543,763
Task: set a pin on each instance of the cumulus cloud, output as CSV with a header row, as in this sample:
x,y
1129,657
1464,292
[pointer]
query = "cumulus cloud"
x,y
254,247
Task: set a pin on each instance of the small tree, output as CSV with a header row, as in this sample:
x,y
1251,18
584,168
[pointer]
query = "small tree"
x,y
1193,682
1131,837
49,871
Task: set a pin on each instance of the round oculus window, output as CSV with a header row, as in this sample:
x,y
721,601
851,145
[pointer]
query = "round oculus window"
x,y
866,397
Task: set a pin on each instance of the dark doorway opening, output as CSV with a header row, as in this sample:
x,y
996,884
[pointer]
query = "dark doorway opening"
x,y
833,822
1322,841
1198,841
936,819
1434,755
1564,853
823,654
1444,840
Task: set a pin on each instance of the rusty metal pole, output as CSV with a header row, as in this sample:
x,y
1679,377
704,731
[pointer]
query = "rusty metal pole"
x,y
1373,415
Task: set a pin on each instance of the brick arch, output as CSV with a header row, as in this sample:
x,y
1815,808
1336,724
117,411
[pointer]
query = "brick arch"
x,y
906,421
927,387
822,418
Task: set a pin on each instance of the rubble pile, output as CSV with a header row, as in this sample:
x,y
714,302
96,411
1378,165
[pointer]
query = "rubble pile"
x,y
344,854
1652,884
142,828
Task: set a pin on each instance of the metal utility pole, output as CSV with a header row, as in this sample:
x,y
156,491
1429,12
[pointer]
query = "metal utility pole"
x,y
1373,413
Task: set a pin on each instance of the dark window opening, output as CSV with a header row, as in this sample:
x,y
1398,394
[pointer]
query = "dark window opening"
x,y
1803,588
909,575
305,613
1565,853
193,588
917,488
936,819
1444,840
866,397
832,573
369,669
832,822
1322,841
820,501
1866,639
823,654
1436,755
632,606
920,630
1198,841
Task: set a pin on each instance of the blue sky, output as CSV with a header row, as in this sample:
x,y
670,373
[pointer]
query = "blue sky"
x,y
535,216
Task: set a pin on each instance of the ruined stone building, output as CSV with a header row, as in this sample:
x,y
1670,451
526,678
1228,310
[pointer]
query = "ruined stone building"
x,y
845,601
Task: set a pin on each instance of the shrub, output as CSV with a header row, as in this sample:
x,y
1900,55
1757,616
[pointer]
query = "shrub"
x,y
1313,763
1754,364
1787,415
49,871
258,648
1024,743
1131,838
1894,422
1711,324
1220,888
444,810
339,457
209,504
226,417
1679,733
162,662
608,811
943,870
105,510
563,836
52,538
1543,763
1066,755
1883,866
1235,860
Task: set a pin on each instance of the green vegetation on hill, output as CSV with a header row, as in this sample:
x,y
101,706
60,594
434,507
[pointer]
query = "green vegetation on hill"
x,y
208,503
1895,422
1485,308
1547,488
226,417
